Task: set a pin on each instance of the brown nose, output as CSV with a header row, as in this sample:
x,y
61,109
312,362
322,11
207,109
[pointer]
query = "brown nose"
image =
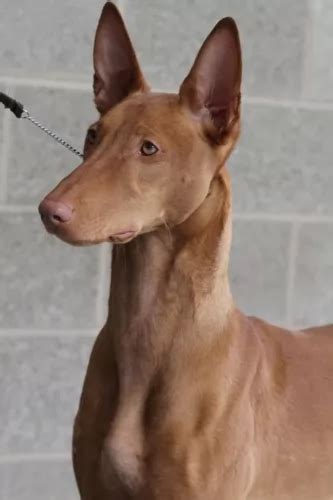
x,y
54,213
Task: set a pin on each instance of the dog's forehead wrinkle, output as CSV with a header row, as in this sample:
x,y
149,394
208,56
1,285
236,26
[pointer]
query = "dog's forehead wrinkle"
x,y
158,115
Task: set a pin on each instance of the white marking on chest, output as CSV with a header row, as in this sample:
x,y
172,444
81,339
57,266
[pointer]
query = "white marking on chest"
x,y
124,448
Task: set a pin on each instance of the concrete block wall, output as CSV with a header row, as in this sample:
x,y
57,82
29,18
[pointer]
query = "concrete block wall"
x,y
52,296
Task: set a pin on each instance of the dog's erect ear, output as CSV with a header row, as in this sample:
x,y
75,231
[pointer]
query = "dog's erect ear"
x,y
117,72
212,88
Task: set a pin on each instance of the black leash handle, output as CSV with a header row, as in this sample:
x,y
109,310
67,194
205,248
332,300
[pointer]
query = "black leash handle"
x,y
20,112
15,107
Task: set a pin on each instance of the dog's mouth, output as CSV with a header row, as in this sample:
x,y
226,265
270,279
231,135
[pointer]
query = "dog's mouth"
x,y
62,232
123,236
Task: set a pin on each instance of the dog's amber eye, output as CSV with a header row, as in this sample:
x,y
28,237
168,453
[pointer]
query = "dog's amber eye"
x,y
148,148
91,135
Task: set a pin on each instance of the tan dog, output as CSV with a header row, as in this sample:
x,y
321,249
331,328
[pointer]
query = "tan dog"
x,y
185,398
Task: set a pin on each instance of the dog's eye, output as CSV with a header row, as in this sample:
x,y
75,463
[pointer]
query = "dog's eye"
x,y
91,135
148,148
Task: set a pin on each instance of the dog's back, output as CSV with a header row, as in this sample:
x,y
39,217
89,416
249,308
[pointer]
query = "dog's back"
x,y
293,409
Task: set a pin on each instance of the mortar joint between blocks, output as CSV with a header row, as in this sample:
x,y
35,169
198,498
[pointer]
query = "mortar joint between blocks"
x,y
291,272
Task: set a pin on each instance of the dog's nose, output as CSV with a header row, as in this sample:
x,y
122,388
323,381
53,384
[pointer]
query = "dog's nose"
x,y
55,212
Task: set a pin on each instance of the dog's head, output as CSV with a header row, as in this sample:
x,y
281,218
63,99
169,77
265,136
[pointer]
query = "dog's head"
x,y
150,159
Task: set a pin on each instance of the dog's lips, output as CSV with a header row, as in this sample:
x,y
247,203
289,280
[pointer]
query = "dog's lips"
x,y
123,236
119,237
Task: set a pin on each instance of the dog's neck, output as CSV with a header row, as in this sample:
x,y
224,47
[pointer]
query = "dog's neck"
x,y
172,282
